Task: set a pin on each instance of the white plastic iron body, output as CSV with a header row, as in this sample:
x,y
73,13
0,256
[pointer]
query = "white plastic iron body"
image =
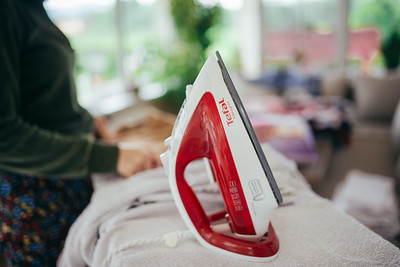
x,y
212,124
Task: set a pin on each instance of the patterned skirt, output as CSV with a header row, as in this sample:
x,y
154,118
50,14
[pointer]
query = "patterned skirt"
x,y
35,216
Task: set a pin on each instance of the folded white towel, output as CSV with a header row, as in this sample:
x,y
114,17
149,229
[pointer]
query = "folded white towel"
x,y
311,231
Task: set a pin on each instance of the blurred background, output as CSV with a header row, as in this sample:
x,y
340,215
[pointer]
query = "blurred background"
x,y
319,78
127,44
320,81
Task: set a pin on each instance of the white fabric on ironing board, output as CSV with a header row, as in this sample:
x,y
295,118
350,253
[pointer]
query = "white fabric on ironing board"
x,y
311,231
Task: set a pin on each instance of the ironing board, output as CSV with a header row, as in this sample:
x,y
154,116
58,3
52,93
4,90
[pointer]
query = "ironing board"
x,y
312,232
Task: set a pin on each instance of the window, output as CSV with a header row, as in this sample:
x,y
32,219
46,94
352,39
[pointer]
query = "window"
x,y
114,38
106,36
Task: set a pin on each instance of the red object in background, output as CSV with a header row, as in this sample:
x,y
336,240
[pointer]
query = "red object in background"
x,y
319,48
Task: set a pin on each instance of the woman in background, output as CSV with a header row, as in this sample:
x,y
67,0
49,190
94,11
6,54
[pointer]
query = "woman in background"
x,y
46,152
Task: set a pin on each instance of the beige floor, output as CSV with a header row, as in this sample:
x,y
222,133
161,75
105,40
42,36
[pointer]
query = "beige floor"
x,y
2,262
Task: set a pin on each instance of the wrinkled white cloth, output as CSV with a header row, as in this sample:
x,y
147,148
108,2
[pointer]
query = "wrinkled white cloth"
x,y
311,231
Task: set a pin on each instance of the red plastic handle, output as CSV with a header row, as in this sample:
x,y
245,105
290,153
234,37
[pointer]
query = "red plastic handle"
x,y
205,137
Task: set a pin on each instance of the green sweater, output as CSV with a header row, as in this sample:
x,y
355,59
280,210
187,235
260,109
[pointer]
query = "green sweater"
x,y
43,130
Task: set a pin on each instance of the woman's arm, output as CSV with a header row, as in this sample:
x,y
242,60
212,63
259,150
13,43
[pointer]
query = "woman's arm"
x,y
24,146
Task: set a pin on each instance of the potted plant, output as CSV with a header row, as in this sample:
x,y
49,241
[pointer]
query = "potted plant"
x,y
176,64
391,50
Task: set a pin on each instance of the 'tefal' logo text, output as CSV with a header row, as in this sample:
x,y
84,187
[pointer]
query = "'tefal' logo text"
x,y
227,111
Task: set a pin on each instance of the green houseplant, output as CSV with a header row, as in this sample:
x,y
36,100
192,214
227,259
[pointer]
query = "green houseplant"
x,y
177,63
391,50
192,22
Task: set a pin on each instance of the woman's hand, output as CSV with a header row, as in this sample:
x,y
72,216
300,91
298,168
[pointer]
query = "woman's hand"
x,y
102,131
134,158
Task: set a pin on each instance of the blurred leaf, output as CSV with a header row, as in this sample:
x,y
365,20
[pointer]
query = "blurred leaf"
x,y
391,50
177,64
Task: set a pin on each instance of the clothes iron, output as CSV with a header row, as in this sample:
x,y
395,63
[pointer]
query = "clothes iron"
x,y
212,125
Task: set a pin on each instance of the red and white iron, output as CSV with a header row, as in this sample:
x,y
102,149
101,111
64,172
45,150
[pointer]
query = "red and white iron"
x,y
213,125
